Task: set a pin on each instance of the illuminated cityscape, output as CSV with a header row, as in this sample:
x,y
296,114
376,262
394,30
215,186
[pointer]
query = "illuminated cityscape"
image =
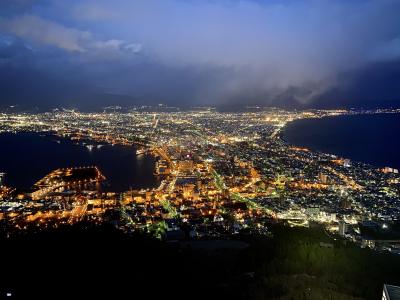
x,y
191,149
220,173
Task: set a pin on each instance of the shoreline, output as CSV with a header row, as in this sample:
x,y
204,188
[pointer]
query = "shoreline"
x,y
82,144
283,137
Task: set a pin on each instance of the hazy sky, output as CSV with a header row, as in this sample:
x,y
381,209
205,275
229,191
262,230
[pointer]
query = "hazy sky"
x,y
219,52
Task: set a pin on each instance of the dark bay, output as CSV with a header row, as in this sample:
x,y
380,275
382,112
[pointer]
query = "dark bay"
x,y
27,157
373,139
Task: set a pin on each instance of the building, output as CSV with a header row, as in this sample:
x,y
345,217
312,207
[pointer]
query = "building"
x,y
185,166
188,190
342,227
347,163
390,170
391,292
323,178
313,211
1,178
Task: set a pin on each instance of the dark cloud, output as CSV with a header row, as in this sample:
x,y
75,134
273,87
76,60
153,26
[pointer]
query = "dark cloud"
x,y
287,53
375,85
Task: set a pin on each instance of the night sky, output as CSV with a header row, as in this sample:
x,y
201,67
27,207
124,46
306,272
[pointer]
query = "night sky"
x,y
92,53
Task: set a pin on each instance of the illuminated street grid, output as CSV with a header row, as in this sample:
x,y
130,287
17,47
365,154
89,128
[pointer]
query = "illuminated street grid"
x,y
222,173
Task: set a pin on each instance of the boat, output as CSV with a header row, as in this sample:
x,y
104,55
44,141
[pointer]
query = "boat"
x,y
140,151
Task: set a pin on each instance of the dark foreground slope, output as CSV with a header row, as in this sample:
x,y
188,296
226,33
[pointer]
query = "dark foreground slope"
x,y
92,262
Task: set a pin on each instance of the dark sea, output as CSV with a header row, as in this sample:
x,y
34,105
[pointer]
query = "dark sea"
x,y
372,139
27,157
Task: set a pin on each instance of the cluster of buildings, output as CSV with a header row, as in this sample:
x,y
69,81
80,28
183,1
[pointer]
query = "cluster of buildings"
x,y
221,173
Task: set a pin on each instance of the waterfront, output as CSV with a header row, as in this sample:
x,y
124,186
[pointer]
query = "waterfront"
x,y
371,139
222,173
27,157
